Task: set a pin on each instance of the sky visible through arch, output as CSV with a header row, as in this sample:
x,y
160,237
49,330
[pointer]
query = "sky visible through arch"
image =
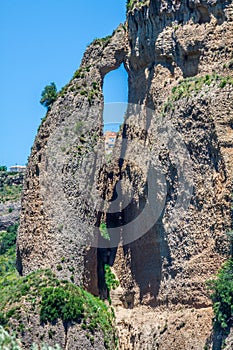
x,y
40,42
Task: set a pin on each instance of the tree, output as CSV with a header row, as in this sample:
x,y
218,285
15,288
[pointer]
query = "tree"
x,y
3,168
49,95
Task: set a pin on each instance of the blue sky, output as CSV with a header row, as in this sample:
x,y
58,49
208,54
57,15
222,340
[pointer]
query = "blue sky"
x,y
40,42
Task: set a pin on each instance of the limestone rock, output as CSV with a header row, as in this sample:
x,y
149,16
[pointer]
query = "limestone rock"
x,y
173,157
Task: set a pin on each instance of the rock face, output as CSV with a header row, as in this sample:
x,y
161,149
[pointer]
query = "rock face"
x,y
167,268
56,218
178,56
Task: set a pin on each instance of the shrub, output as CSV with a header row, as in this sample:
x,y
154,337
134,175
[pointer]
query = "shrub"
x,y
223,83
94,85
8,239
78,73
110,278
104,231
130,4
54,299
59,267
60,303
102,41
222,295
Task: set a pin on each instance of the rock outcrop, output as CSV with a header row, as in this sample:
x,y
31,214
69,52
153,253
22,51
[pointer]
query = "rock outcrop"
x,y
167,268
56,226
172,168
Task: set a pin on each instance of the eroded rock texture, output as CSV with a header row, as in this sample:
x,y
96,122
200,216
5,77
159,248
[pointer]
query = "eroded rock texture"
x,y
188,140
57,221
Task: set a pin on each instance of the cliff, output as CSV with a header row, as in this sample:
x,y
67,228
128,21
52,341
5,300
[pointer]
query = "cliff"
x,y
171,169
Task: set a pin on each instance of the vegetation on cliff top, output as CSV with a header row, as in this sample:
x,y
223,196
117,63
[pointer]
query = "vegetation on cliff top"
x,y
131,4
49,95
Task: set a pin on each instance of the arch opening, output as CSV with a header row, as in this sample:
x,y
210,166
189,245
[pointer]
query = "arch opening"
x,y
115,91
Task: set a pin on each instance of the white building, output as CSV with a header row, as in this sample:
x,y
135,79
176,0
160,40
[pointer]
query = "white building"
x,y
110,138
18,168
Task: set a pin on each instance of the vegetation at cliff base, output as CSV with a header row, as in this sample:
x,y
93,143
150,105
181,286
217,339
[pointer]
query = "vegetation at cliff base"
x,y
8,239
7,251
53,299
222,296
49,299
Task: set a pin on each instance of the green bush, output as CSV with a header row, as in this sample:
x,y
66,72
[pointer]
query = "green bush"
x,y
110,278
7,252
8,238
223,83
49,95
104,231
130,4
60,303
95,85
222,295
